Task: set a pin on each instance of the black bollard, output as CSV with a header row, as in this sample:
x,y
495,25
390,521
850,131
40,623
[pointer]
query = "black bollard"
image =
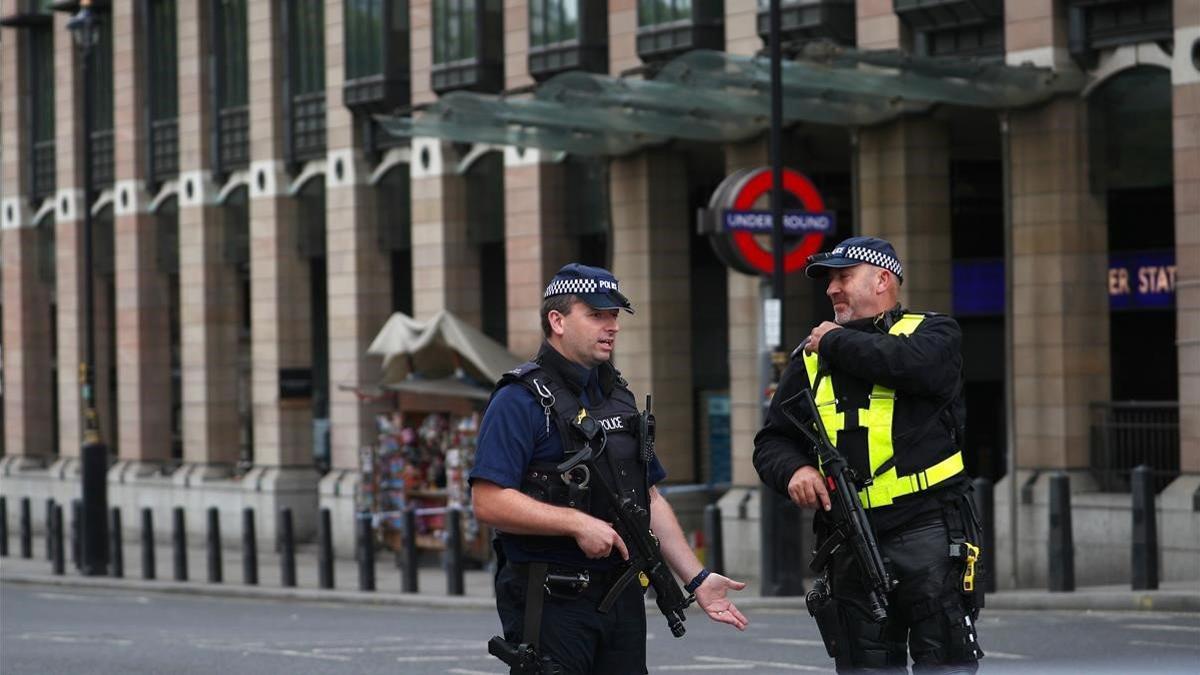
x,y
3,527
249,549
454,552
712,536
56,541
179,541
49,517
26,529
116,557
148,571
1062,546
324,550
985,506
216,573
93,510
366,552
781,531
77,533
1145,530
287,550
408,579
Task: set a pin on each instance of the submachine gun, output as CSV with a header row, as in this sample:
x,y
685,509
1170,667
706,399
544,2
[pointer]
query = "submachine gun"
x,y
645,555
847,518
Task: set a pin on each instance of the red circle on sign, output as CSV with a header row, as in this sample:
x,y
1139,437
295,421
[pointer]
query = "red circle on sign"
x,y
752,252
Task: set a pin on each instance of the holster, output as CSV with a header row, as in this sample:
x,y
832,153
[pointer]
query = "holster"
x,y
522,659
823,608
965,533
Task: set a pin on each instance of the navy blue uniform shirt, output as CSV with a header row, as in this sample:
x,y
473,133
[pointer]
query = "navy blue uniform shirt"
x,y
513,435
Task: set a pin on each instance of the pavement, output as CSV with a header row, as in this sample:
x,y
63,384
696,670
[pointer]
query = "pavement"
x,y
477,584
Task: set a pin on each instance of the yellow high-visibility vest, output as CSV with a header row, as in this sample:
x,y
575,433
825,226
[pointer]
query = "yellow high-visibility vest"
x,y
876,418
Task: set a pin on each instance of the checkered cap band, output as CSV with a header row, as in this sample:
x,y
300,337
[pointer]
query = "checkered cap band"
x,y
577,287
876,258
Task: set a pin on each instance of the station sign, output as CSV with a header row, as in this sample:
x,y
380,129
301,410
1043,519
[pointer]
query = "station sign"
x,y
738,222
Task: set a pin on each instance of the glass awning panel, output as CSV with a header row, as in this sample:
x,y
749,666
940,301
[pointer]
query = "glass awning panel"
x,y
719,97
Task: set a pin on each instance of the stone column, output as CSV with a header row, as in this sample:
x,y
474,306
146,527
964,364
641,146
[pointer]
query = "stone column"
x,y
208,284
1185,76
359,285
26,320
1060,305
143,332
1035,31
27,358
741,28
445,264
651,260
622,36
1178,499
904,188
878,26
68,241
280,296
536,241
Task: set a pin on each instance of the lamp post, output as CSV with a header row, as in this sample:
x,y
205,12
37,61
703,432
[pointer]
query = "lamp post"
x,y
85,31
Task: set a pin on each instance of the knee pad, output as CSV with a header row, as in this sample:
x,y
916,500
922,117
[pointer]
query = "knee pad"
x,y
867,645
953,629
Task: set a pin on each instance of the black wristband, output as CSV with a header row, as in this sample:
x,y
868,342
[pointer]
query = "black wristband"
x,y
697,580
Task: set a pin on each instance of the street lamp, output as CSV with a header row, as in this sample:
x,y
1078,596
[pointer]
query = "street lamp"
x,y
85,31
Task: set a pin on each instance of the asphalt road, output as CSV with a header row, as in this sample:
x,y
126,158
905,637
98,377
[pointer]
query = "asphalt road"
x,y
55,630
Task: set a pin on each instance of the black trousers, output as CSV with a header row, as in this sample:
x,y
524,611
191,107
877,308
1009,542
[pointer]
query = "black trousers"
x,y
574,634
928,617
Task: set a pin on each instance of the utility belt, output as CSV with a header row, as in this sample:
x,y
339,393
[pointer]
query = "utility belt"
x,y
566,582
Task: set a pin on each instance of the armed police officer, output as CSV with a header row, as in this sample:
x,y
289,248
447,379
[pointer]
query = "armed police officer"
x,y
565,471
887,386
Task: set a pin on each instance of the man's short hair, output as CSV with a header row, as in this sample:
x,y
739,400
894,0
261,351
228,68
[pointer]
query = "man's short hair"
x,y
556,303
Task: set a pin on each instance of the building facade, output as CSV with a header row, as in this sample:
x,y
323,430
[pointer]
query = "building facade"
x,y
1036,163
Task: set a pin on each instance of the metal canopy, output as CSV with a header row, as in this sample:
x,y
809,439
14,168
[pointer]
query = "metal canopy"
x,y
718,97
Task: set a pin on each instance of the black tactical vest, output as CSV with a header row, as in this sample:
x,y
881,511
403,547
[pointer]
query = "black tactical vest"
x,y
625,466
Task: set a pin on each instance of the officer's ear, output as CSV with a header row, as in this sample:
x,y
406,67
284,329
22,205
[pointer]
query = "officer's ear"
x,y
556,320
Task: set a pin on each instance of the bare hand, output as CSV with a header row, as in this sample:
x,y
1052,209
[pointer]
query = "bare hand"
x,y
597,539
711,598
807,488
813,341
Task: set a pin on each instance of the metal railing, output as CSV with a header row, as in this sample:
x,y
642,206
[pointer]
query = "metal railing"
x,y
102,159
234,125
164,148
1124,434
43,169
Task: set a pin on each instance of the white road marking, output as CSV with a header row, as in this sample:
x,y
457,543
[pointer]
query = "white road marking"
x,y
259,648
797,642
989,654
1158,643
1160,626
76,639
766,664
106,599
434,659
710,666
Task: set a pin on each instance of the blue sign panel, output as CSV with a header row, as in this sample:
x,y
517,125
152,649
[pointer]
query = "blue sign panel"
x,y
1136,280
1141,280
794,222
978,287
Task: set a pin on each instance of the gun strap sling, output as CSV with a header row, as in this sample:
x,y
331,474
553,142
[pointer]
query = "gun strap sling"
x,y
535,596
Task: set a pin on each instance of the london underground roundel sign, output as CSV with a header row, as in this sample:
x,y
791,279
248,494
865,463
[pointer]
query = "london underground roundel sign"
x,y
738,215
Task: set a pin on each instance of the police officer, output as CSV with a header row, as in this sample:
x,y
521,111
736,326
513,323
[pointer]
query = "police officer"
x,y
559,552
888,386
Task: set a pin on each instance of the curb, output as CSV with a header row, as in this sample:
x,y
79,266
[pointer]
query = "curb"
x,y
1094,600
